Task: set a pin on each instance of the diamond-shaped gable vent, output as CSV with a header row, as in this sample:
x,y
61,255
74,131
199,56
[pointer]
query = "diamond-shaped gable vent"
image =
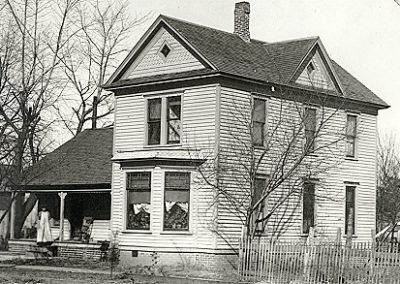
x,y
165,50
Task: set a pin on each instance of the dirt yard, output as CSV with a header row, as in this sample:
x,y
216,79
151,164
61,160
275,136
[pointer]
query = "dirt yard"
x,y
11,275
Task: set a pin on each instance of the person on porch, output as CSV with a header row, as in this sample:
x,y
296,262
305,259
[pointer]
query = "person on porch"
x,y
44,237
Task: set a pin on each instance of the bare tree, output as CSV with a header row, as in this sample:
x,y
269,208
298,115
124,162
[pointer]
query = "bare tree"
x,y
105,28
264,162
33,34
388,193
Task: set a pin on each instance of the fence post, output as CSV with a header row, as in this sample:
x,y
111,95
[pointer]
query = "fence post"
x,y
373,255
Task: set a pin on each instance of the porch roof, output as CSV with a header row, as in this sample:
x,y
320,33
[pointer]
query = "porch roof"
x,y
82,163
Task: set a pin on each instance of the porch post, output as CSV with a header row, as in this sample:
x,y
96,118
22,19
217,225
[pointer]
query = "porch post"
x,y
62,199
12,216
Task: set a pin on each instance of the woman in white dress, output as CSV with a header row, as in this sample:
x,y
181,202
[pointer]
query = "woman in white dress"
x,y
44,236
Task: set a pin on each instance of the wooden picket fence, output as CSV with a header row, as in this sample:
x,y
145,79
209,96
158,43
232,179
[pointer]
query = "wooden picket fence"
x,y
295,263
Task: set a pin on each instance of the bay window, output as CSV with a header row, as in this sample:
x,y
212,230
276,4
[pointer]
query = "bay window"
x,y
138,186
176,201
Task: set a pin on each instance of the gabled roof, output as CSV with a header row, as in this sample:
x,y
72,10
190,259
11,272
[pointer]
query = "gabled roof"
x,y
227,53
84,162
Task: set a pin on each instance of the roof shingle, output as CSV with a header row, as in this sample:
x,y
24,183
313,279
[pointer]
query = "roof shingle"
x,y
83,161
257,60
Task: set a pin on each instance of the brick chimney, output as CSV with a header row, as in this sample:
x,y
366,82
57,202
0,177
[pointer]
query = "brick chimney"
x,y
242,17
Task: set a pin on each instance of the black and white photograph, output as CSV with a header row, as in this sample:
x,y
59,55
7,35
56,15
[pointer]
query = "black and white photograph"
x,y
200,142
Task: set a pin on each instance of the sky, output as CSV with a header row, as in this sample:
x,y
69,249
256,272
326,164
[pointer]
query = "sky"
x,y
363,36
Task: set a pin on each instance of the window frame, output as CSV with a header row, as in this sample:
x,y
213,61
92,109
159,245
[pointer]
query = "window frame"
x,y
164,120
263,123
354,189
314,145
168,119
303,232
190,203
353,136
126,196
148,120
264,205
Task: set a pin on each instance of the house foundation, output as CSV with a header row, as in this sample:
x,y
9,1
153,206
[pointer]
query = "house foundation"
x,y
185,260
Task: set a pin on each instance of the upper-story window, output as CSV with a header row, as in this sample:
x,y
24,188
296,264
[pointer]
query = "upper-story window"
x,y
258,121
310,124
351,135
154,121
174,120
164,120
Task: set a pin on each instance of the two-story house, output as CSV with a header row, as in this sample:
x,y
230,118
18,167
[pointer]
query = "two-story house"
x,y
188,96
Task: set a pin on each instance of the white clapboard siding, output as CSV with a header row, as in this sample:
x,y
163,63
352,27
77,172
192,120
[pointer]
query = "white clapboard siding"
x,y
330,190
151,62
100,230
198,133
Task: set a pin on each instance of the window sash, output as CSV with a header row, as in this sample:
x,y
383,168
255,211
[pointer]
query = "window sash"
x,y
154,121
308,207
258,121
138,201
259,187
350,205
310,125
351,135
176,201
174,120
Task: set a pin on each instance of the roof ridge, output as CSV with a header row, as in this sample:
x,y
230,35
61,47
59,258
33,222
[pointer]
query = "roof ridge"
x,y
232,33
199,25
293,40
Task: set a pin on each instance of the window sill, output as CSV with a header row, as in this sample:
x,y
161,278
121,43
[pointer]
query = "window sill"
x,y
185,233
158,146
303,235
139,232
348,158
312,155
261,147
353,237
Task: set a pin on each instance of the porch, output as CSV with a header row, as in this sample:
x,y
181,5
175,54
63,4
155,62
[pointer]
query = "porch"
x,y
75,215
65,249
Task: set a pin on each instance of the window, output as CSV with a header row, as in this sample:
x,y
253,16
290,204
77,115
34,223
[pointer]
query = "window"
x,y
258,122
350,209
174,120
310,124
176,201
259,187
138,186
164,120
154,121
351,132
308,206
